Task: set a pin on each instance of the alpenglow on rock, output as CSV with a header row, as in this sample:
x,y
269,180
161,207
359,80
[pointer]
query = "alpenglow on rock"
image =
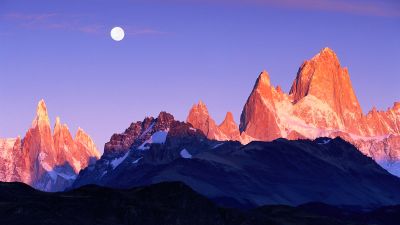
x,y
287,172
321,103
45,160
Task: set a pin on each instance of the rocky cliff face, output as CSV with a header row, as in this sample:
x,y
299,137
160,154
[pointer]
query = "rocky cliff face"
x,y
45,160
321,103
260,111
199,118
230,128
324,170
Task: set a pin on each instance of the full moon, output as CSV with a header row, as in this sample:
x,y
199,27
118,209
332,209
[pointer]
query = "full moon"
x,y
117,34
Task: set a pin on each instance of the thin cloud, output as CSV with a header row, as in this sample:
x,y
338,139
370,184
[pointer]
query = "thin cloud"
x,y
134,31
50,21
378,8
23,16
76,23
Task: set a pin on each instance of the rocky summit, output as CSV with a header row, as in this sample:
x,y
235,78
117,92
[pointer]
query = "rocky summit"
x,y
231,174
321,103
45,160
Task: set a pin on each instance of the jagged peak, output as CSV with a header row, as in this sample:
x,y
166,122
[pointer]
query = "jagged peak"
x,y
41,110
396,106
83,138
201,103
80,131
200,107
58,123
42,116
326,54
263,79
165,116
229,117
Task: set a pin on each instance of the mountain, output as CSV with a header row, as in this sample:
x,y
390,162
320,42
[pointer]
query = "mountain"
x,y
45,160
286,172
321,103
164,203
200,118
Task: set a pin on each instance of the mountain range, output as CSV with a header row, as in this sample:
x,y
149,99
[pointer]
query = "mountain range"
x,y
286,172
313,144
321,103
46,160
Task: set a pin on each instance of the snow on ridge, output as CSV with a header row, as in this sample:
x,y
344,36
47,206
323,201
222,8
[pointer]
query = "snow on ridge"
x,y
371,138
324,142
390,166
217,145
76,164
288,121
7,143
54,174
185,154
147,130
137,160
158,137
116,162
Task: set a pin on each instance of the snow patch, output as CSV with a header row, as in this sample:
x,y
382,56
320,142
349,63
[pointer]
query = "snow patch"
x,y
42,156
137,160
324,142
217,145
116,162
76,163
46,166
373,138
288,120
391,167
104,173
185,154
147,130
158,137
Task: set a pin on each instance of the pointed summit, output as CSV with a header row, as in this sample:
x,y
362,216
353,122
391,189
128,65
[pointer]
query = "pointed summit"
x,y
228,118
396,106
327,54
263,81
258,118
230,128
322,79
42,117
41,108
85,145
200,119
57,121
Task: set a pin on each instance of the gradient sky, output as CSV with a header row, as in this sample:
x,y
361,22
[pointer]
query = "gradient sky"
x,y
177,52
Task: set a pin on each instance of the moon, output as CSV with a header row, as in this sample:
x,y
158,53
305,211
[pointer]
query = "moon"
x,y
117,33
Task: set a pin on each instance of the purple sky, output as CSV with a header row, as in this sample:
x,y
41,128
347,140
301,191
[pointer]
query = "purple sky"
x,y
176,52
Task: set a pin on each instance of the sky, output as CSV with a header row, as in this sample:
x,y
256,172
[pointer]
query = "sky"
x,y
177,52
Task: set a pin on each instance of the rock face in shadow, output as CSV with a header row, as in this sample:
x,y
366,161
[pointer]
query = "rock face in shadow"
x,y
286,172
170,203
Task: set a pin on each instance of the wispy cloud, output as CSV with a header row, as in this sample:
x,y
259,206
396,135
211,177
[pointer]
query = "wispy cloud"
x,y
75,23
31,17
137,31
379,8
371,8
51,21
